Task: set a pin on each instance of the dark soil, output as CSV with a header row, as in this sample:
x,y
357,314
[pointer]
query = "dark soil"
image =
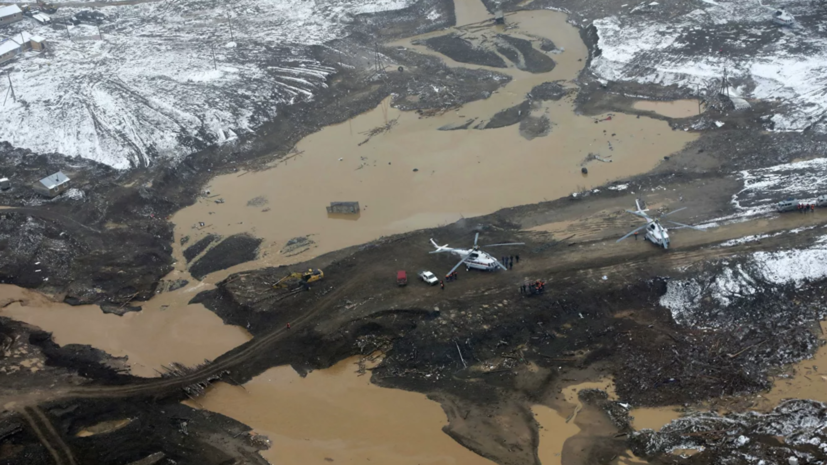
x,y
533,60
195,249
532,127
510,116
458,49
548,91
231,251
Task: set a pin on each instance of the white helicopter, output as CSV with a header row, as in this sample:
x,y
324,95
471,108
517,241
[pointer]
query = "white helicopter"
x,y
474,257
656,233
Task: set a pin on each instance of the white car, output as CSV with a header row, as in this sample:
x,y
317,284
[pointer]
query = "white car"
x,y
428,277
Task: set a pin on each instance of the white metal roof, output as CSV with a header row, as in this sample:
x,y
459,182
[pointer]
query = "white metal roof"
x,y
38,39
21,38
10,10
8,46
54,180
42,17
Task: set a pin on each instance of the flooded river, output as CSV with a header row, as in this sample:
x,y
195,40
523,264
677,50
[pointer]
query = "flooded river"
x,y
166,330
335,415
417,176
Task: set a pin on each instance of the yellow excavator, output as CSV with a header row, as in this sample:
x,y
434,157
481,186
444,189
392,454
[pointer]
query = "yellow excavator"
x,y
294,280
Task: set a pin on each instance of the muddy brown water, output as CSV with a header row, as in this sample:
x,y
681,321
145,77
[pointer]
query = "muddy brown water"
x,y
166,330
653,417
470,12
338,416
564,421
670,109
460,173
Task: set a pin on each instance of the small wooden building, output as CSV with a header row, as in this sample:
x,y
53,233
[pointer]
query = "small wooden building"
x,y
10,14
350,208
52,185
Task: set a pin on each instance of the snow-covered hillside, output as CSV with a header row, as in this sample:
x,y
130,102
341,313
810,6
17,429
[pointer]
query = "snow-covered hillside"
x,y
152,88
763,61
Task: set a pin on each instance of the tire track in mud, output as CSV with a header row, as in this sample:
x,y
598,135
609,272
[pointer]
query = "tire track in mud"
x,y
48,436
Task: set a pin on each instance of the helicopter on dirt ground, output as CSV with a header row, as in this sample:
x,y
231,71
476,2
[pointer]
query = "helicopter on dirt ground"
x,y
474,257
656,233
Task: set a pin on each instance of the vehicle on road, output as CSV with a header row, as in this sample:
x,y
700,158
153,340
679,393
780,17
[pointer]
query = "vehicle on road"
x,y
428,277
787,205
401,278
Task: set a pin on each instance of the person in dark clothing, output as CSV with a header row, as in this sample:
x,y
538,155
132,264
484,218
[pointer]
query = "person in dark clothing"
x,y
518,258
442,285
456,275
510,265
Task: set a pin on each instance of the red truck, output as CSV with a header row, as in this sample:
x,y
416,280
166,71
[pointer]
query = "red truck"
x,y
401,278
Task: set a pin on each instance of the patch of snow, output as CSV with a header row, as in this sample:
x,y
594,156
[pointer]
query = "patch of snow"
x,y
735,281
150,89
619,187
683,51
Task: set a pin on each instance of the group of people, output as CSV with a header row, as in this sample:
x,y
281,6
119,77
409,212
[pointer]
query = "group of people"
x,y
537,287
453,276
804,208
508,262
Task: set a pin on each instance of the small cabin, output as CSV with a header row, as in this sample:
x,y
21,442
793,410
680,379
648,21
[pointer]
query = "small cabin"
x,y
52,185
349,208
10,14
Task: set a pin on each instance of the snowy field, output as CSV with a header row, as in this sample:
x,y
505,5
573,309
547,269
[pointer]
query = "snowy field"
x,y
739,280
151,88
763,61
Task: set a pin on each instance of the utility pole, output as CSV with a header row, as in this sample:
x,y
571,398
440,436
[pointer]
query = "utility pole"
x,y
11,86
67,32
214,65
100,36
699,98
230,23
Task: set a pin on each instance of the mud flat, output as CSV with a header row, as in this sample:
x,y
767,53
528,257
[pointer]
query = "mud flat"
x,y
670,109
338,416
470,12
166,330
411,175
559,425
653,417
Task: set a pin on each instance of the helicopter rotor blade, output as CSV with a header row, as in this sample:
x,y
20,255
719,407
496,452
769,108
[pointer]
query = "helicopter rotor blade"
x,y
476,238
638,213
464,259
686,226
633,231
500,245
673,211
